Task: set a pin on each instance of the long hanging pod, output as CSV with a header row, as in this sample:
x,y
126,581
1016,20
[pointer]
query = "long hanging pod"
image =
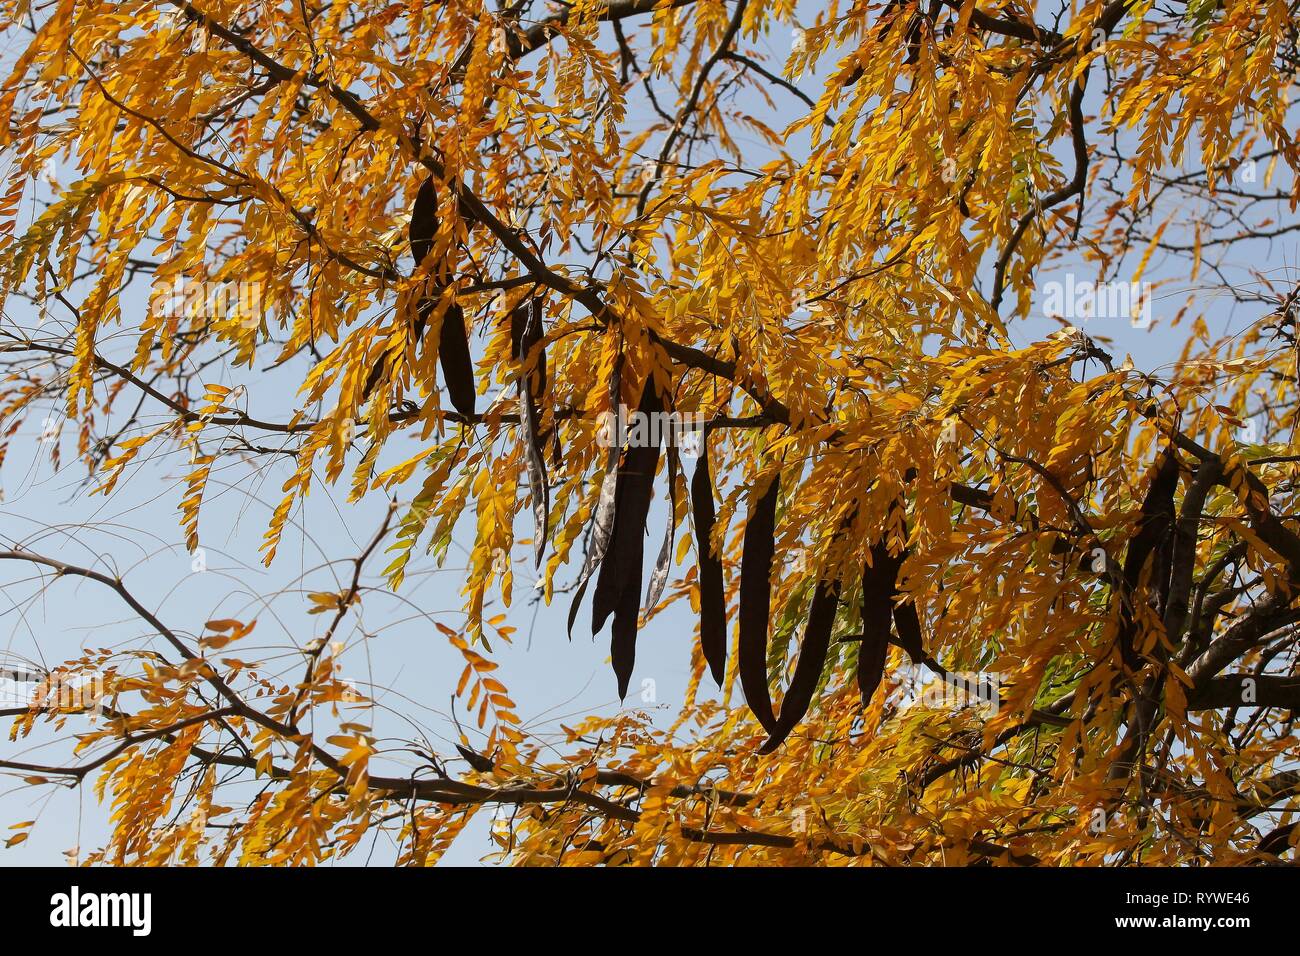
x,y
713,601
659,573
622,639
602,523
525,336
878,581
618,586
622,565
627,614
907,627
420,234
1154,536
424,221
907,623
453,340
880,605
812,653
812,661
454,358
756,603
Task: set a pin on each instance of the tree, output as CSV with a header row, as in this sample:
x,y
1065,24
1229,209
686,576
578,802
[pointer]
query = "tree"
x,y
987,601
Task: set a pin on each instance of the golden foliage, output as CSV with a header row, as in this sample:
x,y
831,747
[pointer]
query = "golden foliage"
x,y
835,286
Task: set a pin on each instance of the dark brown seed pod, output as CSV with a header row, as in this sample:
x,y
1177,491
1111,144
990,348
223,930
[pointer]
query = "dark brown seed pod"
x,y
713,601
424,221
453,339
812,660
659,573
526,334
907,623
878,582
538,487
1155,535
476,760
872,655
602,523
622,565
454,357
756,602
880,605
622,641
372,379
907,626
420,234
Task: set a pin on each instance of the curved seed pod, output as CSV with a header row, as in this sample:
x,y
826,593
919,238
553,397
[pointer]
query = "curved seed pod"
x,y
476,760
453,340
453,351
424,221
538,489
907,624
601,531
880,603
812,660
659,575
454,357
713,601
622,640
526,334
372,379
602,525
623,632
756,603
622,566
420,234
1154,536
878,581
871,664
